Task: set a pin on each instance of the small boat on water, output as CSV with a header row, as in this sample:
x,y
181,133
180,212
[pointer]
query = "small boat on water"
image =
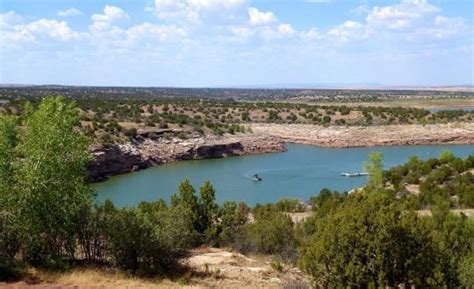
x,y
256,178
356,174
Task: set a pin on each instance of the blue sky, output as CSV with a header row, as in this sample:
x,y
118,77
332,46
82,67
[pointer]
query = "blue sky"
x,y
236,42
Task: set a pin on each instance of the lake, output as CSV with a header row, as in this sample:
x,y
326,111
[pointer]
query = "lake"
x,y
301,172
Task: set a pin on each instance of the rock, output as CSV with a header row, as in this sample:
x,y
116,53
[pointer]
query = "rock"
x,y
384,135
130,157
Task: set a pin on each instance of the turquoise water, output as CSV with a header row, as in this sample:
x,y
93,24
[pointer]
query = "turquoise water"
x,y
301,172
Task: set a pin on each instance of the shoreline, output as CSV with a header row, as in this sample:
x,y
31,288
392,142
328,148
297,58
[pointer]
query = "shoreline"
x,y
358,136
267,138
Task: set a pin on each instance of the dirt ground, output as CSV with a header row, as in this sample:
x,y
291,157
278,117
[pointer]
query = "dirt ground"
x,y
210,268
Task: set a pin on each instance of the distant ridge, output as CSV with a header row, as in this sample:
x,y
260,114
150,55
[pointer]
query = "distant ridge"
x,y
329,86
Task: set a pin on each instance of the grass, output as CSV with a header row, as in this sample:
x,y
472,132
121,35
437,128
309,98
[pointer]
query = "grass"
x,y
90,277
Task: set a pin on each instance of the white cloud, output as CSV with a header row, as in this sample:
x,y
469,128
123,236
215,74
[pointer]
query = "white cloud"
x,y
191,10
152,32
13,31
442,28
242,33
402,15
349,30
9,18
213,4
52,28
69,12
311,34
286,29
111,14
261,18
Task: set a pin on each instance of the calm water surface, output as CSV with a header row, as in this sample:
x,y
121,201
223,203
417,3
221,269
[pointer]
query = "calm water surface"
x,y
301,172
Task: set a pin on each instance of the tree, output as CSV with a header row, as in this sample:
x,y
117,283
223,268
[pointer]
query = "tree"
x,y
374,168
10,228
271,233
186,198
208,207
51,179
8,143
466,271
150,239
369,241
231,221
446,157
453,238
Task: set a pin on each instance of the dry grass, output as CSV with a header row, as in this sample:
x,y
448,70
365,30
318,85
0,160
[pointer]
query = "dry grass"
x,y
86,278
209,268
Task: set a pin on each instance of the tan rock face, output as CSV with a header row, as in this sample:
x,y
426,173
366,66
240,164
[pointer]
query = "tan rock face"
x,y
353,136
129,157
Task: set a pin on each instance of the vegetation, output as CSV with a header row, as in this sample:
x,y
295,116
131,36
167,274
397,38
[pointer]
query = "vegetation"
x,y
117,115
447,180
369,240
372,237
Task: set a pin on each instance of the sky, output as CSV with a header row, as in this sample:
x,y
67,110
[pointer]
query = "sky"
x,y
237,43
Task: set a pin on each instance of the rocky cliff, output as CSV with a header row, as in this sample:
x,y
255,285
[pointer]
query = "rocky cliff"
x,y
145,152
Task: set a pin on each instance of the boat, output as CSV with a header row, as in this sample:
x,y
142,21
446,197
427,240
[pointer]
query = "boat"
x,y
256,178
356,174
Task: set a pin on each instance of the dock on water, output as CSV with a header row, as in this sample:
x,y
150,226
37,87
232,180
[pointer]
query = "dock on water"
x,y
356,174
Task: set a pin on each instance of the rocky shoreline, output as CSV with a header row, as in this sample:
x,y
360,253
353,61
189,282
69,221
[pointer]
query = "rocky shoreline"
x,y
146,152
360,136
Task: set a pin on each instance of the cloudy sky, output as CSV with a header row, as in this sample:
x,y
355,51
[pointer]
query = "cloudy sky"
x,y
236,42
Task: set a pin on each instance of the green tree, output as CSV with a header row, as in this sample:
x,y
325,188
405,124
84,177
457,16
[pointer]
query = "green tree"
x,y
51,179
208,208
232,220
8,143
369,241
466,271
271,233
453,238
186,198
446,156
10,228
374,167
150,239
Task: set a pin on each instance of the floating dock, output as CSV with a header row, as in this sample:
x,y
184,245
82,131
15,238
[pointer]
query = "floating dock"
x,y
354,174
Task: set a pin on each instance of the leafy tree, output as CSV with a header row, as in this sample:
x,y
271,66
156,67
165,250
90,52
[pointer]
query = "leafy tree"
x,y
51,177
466,271
208,208
271,233
232,218
368,242
446,156
374,168
150,239
453,238
186,198
8,143
10,228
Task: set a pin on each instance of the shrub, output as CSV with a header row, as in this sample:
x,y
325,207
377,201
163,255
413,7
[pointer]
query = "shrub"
x,y
271,233
151,238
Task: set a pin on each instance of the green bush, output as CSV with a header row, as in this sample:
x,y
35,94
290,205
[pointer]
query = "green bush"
x,y
271,233
151,238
